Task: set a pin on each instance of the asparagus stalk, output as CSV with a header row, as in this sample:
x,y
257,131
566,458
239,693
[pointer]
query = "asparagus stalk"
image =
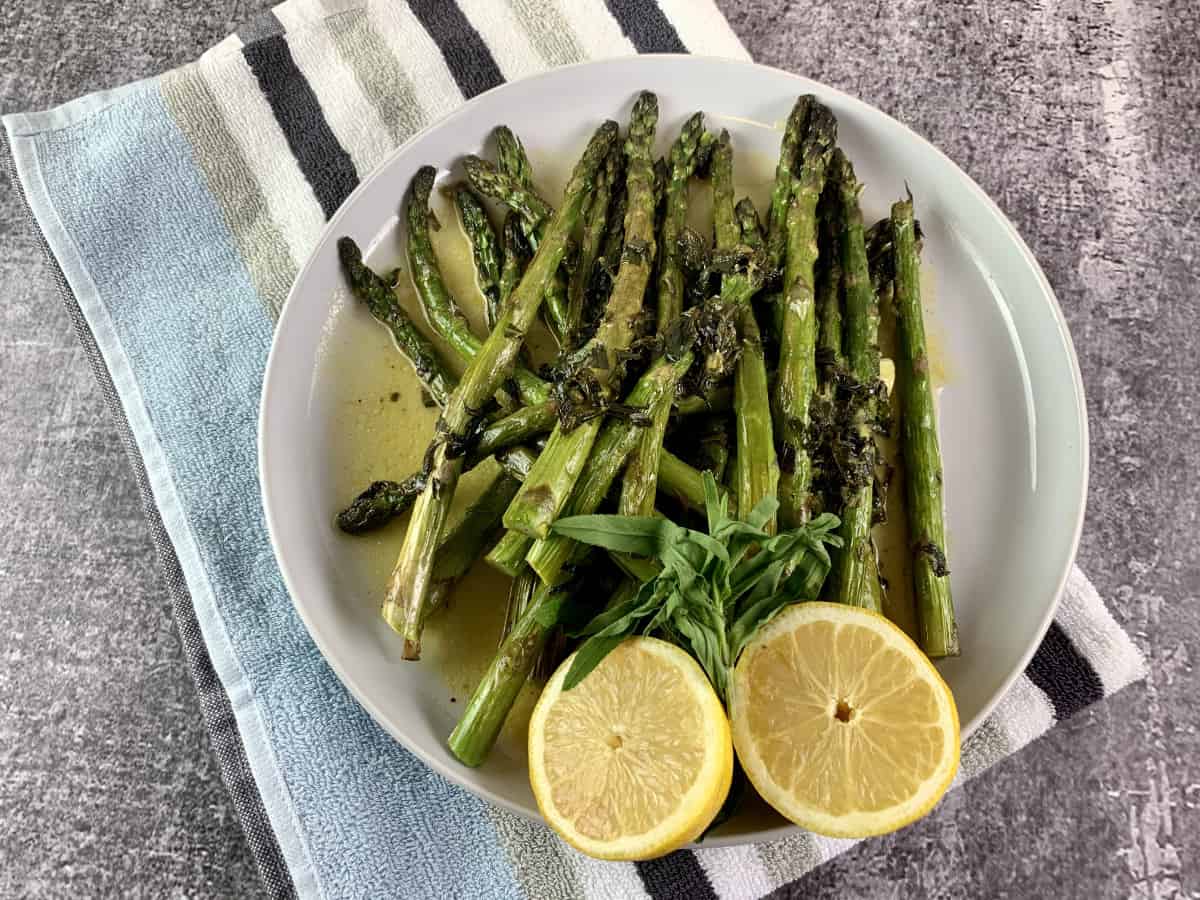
x,y
919,444
408,590
468,540
509,553
383,501
797,378
640,485
727,230
519,196
738,283
511,156
494,696
549,485
682,160
719,400
381,301
641,477
681,481
676,479
595,223
516,255
781,191
749,223
485,249
757,472
852,571
524,584
512,184
829,288
550,554
444,313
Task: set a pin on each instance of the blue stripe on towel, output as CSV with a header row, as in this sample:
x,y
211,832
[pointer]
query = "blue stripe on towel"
x,y
186,341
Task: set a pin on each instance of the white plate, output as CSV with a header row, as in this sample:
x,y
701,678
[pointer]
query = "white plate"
x,y
1014,432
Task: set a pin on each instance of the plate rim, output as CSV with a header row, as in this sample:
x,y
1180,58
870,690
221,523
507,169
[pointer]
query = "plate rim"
x,y
809,85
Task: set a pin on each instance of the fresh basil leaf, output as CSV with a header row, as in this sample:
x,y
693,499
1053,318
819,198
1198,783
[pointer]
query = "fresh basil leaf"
x,y
590,655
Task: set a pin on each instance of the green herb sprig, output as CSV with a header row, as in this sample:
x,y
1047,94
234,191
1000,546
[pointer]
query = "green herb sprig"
x,y
712,593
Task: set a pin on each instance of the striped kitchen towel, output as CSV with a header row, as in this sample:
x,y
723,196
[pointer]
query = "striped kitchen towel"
x,y
176,212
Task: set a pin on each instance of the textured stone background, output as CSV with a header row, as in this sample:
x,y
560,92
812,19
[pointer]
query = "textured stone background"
x,y
1079,118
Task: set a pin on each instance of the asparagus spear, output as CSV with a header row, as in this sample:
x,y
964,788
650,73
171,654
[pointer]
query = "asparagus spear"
x,y
408,589
749,223
511,156
919,444
468,540
383,501
852,571
595,223
444,313
509,553
494,696
382,302
682,160
485,249
517,195
641,478
740,280
757,472
550,554
781,191
719,400
549,485
798,333
676,479
681,481
516,255
829,288
512,185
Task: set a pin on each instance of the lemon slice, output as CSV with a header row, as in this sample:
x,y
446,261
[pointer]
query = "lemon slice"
x,y
841,722
635,760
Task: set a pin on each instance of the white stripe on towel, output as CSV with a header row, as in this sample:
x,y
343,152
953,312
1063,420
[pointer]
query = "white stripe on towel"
x,y
505,37
598,33
419,57
1024,712
735,873
351,116
1096,634
702,28
608,880
290,198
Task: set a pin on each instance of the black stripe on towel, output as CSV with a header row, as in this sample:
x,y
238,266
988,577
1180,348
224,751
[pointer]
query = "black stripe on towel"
x,y
647,26
675,876
1064,673
466,55
325,163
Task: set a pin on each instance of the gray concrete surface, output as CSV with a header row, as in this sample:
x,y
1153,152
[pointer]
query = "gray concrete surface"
x,y
1080,118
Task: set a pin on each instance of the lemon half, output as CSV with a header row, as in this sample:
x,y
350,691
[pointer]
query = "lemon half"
x,y
635,760
841,722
